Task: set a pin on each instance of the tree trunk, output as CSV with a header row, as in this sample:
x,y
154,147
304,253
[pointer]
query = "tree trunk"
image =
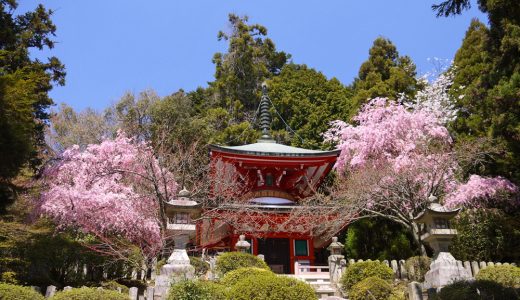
x,y
416,233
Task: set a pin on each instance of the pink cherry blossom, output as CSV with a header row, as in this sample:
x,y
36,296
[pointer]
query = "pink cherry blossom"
x,y
107,190
482,192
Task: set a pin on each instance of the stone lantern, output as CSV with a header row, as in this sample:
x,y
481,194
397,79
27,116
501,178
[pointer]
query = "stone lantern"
x,y
437,232
180,213
337,262
242,245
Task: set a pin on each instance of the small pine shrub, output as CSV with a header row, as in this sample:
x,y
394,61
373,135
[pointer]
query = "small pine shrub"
x,y
113,286
508,276
371,288
86,293
479,289
269,287
9,277
201,267
230,261
417,266
232,277
361,270
18,292
197,290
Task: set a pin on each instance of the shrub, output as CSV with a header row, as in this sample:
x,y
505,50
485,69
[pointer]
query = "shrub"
x,y
508,276
18,292
479,289
361,270
9,277
230,261
201,267
86,293
269,287
371,288
417,266
197,290
232,277
113,286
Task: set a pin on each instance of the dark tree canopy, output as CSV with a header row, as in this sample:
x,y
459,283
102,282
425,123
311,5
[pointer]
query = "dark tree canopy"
x,y
384,74
24,87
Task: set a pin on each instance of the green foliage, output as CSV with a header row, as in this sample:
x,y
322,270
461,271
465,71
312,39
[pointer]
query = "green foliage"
x,y
17,292
486,235
230,261
384,74
265,286
371,288
508,276
487,79
479,289
114,286
251,58
308,102
380,239
8,277
41,257
86,293
24,87
417,266
232,277
197,290
201,267
358,271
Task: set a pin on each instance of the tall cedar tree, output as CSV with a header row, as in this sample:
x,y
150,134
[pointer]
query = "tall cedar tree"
x,y
384,74
488,75
24,87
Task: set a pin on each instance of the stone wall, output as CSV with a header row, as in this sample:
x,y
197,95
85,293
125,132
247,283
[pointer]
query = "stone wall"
x,y
400,271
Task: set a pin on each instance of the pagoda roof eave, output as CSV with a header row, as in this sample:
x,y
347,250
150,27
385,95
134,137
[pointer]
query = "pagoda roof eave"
x,y
273,150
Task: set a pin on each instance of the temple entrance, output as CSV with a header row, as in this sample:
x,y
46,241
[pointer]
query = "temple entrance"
x,y
276,253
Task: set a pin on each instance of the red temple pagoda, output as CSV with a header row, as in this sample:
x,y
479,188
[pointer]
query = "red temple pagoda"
x,y
273,179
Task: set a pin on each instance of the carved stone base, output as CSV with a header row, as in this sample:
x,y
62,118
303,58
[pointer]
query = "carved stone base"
x,y
443,271
178,268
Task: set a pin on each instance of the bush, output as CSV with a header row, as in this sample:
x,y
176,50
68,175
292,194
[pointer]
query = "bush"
x,y
361,270
201,267
113,286
479,289
486,235
86,293
197,290
230,261
232,277
269,287
18,292
9,277
508,276
417,266
371,288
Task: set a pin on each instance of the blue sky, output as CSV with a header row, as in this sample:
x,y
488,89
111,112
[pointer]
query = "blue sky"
x,y
111,47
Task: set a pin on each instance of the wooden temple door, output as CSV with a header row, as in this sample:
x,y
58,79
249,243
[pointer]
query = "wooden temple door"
x,y
276,253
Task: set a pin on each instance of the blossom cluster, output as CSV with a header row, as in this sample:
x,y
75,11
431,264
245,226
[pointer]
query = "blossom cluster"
x,y
107,190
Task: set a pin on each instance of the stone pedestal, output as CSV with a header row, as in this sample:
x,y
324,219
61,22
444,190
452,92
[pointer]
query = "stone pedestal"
x,y
337,265
176,269
443,271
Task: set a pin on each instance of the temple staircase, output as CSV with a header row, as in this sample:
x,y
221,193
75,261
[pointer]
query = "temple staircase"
x,y
318,277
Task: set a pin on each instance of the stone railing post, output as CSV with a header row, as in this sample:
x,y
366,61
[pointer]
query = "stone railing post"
x,y
51,290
